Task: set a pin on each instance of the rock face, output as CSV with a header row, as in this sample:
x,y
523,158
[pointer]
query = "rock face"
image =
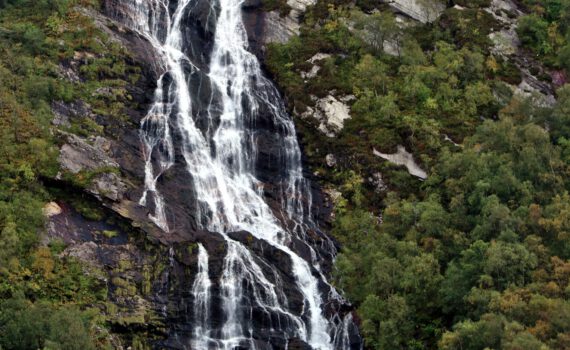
x,y
279,29
198,27
147,283
405,158
78,155
315,68
506,41
424,11
331,113
273,27
149,272
507,45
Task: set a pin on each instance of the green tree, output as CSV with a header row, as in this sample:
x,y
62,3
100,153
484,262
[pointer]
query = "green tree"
x,y
376,29
560,118
468,335
24,325
533,32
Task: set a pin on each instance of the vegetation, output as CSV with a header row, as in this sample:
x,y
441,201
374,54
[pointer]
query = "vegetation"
x,y
412,86
477,256
480,260
48,301
40,326
546,31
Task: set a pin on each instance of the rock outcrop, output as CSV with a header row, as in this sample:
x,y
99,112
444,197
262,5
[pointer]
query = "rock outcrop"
x,y
78,154
424,11
273,27
330,112
506,44
405,158
315,67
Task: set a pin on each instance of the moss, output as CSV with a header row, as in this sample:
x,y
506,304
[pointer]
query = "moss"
x,y
85,178
473,3
88,209
111,309
140,343
124,287
146,283
85,126
125,265
509,73
57,246
110,234
159,268
192,248
130,320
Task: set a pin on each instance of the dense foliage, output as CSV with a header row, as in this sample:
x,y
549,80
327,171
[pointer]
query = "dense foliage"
x,y
546,31
477,256
46,301
482,256
433,86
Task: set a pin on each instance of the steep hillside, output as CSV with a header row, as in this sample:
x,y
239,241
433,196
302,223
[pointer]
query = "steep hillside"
x,y
439,132
429,186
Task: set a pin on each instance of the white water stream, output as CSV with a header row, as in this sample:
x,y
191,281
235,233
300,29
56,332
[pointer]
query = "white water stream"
x,y
221,167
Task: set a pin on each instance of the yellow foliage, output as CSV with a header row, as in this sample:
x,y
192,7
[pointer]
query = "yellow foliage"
x,y
331,26
492,64
43,262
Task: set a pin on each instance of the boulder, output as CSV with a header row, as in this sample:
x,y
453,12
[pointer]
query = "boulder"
x,y
51,209
378,182
318,57
330,159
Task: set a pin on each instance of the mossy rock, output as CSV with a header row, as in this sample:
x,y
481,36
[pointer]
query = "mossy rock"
x,y
110,233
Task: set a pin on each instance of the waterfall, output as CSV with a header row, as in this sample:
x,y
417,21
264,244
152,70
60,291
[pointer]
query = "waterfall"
x,y
201,292
220,161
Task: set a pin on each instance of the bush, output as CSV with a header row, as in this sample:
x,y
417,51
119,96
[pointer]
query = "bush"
x,y
533,32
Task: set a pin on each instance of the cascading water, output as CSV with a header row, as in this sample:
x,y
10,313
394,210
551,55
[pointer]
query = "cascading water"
x,y
220,160
201,292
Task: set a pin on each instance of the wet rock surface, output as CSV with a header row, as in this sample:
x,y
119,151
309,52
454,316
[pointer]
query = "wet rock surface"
x,y
149,272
